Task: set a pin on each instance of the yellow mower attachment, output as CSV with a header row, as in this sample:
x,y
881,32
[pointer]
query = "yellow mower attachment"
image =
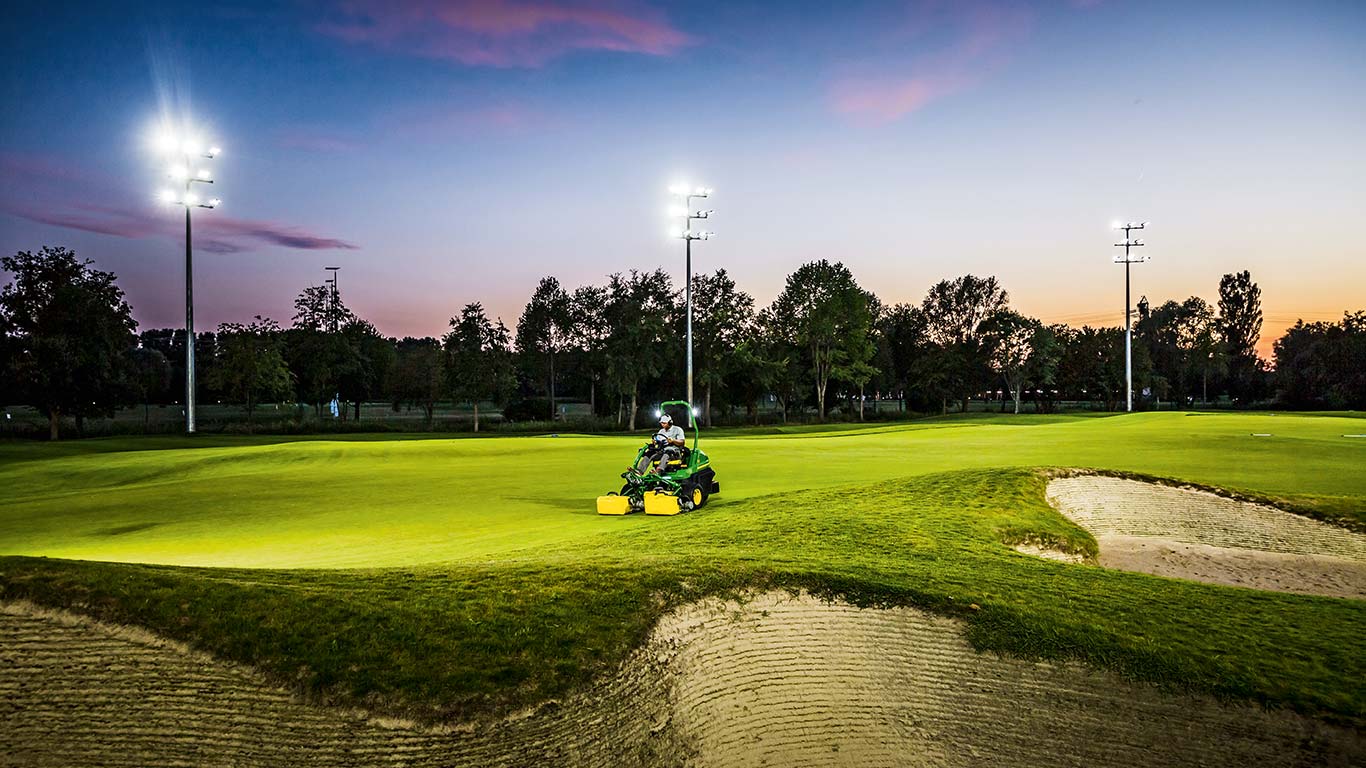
x,y
614,505
657,503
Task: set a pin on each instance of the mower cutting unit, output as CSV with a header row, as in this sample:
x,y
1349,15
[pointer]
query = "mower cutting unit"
x,y
686,484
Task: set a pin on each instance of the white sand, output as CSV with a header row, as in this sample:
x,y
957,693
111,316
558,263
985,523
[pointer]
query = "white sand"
x,y
1193,534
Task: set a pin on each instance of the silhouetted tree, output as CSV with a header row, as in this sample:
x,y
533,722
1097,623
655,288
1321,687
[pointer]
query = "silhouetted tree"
x,y
149,378
954,314
637,319
69,332
1323,365
543,331
1240,322
823,311
418,378
478,359
250,367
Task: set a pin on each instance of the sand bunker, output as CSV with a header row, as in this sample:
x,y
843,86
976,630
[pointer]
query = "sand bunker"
x,y
1192,534
776,681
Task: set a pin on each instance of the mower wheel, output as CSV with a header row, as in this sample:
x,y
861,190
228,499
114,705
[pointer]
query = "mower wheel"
x,y
698,495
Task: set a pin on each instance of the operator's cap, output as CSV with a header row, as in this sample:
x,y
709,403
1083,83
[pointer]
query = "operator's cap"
x,y
666,418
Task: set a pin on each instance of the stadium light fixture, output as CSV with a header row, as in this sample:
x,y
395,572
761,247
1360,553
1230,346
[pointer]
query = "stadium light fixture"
x,y
181,149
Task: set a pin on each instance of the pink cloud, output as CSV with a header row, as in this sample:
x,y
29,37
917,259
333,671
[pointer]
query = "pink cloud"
x,y
502,33
51,190
979,38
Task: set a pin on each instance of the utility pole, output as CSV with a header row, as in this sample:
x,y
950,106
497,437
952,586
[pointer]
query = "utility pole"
x,y
183,151
688,235
1127,259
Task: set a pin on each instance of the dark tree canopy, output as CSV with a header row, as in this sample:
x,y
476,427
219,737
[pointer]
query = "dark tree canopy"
x,y
478,359
69,334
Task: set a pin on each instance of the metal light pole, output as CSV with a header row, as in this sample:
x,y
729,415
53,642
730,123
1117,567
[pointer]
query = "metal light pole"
x,y
336,298
183,152
1126,260
688,235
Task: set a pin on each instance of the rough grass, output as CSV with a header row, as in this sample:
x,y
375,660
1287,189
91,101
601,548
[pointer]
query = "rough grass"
x,y
501,588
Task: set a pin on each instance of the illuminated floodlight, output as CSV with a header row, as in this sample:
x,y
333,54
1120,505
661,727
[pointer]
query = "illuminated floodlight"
x,y
215,151
191,198
204,174
659,412
701,191
165,141
214,202
178,172
166,196
191,147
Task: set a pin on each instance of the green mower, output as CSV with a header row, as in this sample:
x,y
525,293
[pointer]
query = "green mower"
x,y
685,484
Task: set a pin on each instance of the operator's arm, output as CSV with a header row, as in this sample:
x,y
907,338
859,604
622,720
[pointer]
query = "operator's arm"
x,y
680,441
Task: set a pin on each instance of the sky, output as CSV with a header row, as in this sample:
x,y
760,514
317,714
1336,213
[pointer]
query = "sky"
x,y
442,153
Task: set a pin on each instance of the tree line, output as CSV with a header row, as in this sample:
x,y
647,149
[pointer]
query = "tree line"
x,y
826,344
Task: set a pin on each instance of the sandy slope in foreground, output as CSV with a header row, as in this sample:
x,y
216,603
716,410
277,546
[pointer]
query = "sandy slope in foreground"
x,y
778,680
1192,534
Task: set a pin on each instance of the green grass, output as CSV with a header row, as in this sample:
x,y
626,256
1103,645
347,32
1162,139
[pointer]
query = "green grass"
x,y
449,578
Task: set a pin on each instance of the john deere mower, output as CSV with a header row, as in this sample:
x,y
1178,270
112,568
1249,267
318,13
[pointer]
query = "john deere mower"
x,y
684,484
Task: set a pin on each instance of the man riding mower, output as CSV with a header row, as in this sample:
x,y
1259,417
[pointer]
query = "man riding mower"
x,y
667,445
680,480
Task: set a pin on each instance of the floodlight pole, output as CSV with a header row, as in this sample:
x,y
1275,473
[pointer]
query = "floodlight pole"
x,y
336,297
688,237
1128,329
189,324
189,151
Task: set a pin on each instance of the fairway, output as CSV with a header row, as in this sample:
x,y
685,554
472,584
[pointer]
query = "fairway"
x,y
375,502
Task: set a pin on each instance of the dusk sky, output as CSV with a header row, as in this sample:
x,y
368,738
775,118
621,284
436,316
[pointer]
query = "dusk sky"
x,y
449,152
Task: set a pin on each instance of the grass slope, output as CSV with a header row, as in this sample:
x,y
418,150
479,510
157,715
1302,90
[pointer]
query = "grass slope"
x,y
500,588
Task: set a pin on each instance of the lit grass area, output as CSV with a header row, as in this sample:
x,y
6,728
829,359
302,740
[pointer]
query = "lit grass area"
x,y
448,578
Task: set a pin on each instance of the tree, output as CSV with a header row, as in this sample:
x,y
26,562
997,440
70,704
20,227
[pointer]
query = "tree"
x,y
478,359
69,331
588,335
149,377
954,314
1182,340
1010,337
824,312
721,316
250,367
1240,323
418,378
636,315
371,355
1323,365
543,330
320,308
320,356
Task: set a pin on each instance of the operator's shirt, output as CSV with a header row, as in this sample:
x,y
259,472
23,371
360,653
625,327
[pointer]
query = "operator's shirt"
x,y
672,432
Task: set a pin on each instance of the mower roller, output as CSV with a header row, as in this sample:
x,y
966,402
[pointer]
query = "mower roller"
x,y
686,484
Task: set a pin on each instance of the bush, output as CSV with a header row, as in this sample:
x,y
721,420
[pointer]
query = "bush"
x,y
527,409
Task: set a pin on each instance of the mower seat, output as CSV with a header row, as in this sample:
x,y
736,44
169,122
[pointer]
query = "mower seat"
x,y
681,461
